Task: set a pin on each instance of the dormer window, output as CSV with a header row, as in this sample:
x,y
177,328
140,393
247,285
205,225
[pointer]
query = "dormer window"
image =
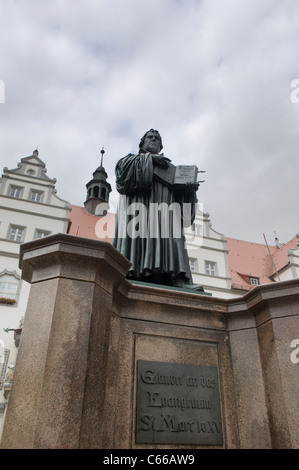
x,y
254,281
36,196
15,191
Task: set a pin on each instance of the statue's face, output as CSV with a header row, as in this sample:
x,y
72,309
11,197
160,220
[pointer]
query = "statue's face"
x,y
152,142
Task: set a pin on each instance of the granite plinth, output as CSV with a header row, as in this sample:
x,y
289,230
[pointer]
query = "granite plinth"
x,y
86,327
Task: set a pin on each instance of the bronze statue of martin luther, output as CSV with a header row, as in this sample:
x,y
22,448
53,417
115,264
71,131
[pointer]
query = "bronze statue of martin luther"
x,y
151,218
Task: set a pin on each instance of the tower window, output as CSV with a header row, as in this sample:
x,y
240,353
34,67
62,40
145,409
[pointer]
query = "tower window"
x,y
103,193
96,191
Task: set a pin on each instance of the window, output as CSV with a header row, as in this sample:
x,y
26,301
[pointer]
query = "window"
x,y
15,233
195,229
254,281
4,354
210,268
15,191
193,264
8,289
41,233
36,196
103,193
8,285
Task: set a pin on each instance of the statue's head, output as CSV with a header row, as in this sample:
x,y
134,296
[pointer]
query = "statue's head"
x,y
151,142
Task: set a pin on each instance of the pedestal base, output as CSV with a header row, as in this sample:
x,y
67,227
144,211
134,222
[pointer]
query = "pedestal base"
x,y
225,376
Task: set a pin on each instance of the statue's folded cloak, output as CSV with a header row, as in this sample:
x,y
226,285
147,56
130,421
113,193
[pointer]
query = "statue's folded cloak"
x,y
150,219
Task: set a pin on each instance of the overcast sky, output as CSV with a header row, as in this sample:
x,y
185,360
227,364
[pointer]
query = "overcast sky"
x,y
213,76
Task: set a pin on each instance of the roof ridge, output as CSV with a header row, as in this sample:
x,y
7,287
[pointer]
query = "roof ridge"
x,y
246,241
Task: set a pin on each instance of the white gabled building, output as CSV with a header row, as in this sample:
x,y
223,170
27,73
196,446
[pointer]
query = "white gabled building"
x,y
29,209
208,257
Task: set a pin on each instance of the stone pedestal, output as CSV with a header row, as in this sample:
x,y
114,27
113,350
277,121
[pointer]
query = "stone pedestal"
x,y
86,328
61,372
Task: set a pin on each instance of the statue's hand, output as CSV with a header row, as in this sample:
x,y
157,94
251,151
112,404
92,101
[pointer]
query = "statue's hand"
x,y
161,161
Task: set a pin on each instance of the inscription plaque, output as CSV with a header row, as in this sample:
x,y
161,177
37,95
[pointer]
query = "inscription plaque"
x,y
177,404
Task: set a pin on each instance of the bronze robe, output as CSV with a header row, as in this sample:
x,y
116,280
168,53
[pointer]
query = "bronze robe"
x,y
157,254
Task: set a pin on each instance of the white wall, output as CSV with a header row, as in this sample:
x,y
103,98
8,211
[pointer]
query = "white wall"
x,y
204,244
292,270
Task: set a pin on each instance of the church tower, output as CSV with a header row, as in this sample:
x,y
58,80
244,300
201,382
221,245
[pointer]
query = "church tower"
x,y
98,189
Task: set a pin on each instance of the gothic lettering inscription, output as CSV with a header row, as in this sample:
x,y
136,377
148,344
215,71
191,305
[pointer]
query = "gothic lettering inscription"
x,y
177,404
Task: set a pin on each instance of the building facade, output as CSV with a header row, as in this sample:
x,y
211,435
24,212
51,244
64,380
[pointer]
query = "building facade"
x,y
208,257
29,209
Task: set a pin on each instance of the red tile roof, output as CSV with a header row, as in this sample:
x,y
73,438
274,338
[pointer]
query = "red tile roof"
x,y
280,256
85,225
247,259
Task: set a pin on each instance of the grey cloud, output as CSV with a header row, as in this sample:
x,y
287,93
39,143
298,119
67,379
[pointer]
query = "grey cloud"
x,y
214,78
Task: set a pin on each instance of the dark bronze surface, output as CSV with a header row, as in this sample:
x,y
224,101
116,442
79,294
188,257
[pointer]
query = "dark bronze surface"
x,y
154,242
177,404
